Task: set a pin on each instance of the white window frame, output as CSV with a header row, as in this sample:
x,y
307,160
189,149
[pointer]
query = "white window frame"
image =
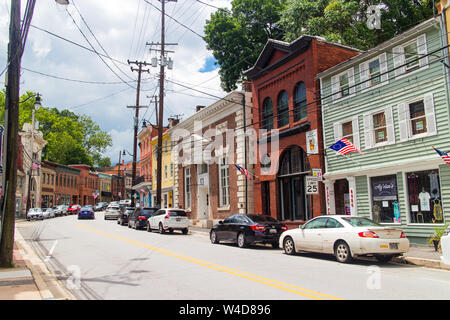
x,y
336,88
369,133
338,130
187,187
400,58
224,197
364,73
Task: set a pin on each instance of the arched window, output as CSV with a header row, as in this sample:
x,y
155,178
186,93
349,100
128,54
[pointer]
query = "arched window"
x,y
300,108
283,109
267,114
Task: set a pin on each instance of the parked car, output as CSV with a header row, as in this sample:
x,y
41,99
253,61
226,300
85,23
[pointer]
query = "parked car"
x,y
168,219
35,213
56,211
112,212
100,206
125,202
86,212
74,209
246,229
346,237
124,214
140,216
48,213
64,209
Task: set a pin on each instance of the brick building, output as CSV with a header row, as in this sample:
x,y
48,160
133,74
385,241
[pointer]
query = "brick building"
x,y
48,176
88,185
212,189
67,181
285,95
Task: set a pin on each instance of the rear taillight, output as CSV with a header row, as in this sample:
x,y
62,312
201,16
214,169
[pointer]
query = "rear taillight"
x,y
368,234
142,218
284,228
258,227
167,216
403,235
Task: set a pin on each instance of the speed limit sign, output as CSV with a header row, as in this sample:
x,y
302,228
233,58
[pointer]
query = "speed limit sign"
x,y
312,185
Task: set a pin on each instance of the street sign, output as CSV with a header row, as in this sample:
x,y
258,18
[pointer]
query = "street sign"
x,y
312,185
317,173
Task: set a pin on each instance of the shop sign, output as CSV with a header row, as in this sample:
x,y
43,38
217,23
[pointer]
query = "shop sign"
x,y
384,190
317,173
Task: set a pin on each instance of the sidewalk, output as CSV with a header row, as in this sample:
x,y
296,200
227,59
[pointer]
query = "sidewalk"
x,y
29,279
424,256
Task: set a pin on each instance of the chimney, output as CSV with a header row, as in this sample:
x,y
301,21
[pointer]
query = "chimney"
x,y
198,108
247,86
173,122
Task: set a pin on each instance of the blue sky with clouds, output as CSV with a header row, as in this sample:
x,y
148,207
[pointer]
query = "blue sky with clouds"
x,y
122,28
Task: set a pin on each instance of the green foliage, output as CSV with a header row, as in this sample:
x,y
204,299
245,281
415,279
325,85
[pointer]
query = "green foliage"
x,y
237,36
71,138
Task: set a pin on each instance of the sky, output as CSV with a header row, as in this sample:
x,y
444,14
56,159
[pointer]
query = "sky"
x,y
122,28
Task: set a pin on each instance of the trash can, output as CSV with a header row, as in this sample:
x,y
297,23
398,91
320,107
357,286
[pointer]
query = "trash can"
x,y
445,246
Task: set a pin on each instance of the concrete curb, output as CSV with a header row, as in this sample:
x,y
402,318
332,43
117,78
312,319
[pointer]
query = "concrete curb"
x,y
50,288
429,263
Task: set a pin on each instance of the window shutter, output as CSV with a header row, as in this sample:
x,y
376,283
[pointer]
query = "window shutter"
x,y
351,80
364,75
384,67
335,87
422,50
355,128
368,125
430,114
403,121
390,125
337,127
399,60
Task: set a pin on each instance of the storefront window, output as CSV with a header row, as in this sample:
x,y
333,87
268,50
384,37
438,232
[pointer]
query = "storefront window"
x,y
424,196
385,207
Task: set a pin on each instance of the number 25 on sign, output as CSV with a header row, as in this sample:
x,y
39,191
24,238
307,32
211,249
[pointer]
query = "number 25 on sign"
x,y
312,185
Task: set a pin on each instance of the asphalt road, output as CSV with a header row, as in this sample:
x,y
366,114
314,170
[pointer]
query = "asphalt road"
x,y
100,259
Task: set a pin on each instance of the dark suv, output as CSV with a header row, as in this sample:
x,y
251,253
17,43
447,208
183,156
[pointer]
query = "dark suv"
x,y
140,216
125,212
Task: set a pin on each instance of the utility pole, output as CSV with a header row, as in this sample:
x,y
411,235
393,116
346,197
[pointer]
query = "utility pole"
x,y
9,183
163,63
136,119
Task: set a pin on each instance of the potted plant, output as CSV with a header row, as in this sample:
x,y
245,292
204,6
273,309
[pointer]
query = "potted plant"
x,y
436,238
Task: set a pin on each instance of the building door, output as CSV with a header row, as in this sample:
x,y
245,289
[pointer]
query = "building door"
x,y
203,202
294,166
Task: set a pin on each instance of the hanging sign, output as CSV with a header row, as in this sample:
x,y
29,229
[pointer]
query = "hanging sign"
x,y
312,143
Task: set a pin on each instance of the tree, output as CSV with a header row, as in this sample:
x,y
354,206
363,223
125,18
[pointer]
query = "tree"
x,y
237,37
345,21
71,138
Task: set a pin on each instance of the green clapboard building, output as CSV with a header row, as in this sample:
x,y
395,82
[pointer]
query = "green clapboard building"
x,y
392,103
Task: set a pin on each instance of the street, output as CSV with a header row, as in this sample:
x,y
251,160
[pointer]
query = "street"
x,y
101,260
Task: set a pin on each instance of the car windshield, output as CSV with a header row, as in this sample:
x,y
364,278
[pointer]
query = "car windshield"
x,y
177,213
147,212
261,218
361,222
114,208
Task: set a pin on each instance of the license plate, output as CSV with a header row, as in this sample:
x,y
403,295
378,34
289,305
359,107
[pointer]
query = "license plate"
x,y
273,231
393,246
178,219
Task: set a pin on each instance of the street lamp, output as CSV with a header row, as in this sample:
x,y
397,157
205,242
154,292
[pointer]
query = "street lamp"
x,y
36,106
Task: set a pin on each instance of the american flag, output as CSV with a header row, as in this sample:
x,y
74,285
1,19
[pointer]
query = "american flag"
x,y
443,155
243,171
344,146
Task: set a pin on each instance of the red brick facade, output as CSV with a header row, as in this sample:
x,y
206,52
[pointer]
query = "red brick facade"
x,y
281,66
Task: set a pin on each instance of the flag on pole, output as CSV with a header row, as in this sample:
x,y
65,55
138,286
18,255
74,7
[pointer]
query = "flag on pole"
x,y
443,155
344,146
243,171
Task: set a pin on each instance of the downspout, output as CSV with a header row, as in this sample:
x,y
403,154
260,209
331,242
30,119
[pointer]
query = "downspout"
x,y
445,43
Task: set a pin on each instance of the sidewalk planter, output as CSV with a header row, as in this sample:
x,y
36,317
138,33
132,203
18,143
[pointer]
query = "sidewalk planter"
x,y
394,107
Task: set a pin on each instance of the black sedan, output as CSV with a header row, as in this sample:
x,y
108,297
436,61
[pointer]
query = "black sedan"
x,y
125,212
246,229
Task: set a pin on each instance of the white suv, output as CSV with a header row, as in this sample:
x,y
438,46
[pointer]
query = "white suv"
x,y
168,220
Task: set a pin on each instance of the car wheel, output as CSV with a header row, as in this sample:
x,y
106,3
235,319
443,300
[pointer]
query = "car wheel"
x,y
129,224
185,231
384,258
118,221
275,245
148,227
289,246
161,229
213,237
241,241
342,252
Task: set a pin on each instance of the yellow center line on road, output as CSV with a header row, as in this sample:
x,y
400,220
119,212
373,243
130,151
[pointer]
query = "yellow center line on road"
x,y
273,283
